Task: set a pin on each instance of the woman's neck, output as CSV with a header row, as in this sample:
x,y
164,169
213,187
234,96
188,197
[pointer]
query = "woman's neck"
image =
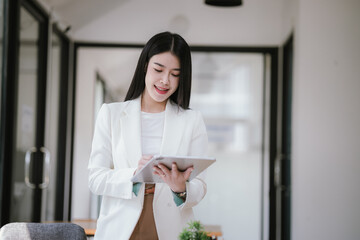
x,y
151,106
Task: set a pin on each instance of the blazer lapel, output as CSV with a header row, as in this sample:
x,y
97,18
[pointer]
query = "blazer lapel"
x,y
131,131
173,130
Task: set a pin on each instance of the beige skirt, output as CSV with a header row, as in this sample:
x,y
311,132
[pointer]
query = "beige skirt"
x,y
145,228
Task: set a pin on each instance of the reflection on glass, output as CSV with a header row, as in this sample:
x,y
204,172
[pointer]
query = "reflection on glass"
x,y
26,114
228,90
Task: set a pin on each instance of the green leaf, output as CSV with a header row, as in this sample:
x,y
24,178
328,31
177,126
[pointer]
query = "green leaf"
x,y
194,231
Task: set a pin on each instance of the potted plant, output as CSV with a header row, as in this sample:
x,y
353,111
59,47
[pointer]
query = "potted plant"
x,y
195,231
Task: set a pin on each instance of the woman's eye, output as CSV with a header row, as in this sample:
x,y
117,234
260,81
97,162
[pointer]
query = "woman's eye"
x,y
176,75
158,70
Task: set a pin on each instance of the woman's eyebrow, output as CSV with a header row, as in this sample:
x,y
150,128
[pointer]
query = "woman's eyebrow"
x,y
159,64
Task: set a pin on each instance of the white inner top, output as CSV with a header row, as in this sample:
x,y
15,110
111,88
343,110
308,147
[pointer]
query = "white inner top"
x,y
152,128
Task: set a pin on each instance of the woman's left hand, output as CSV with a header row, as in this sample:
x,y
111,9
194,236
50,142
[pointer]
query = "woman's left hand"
x,y
173,177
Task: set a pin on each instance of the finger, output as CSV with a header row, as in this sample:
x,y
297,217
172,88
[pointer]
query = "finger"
x,y
162,176
174,167
164,169
188,172
158,171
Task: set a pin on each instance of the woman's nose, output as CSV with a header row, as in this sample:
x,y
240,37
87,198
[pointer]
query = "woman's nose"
x,y
165,79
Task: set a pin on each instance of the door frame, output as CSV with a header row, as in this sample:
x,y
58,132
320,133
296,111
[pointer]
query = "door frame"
x,y
286,123
8,103
63,185
280,193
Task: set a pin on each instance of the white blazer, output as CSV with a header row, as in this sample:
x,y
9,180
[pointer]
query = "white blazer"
x,y
116,150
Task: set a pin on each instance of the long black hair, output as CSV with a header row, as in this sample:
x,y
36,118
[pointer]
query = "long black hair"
x,y
164,42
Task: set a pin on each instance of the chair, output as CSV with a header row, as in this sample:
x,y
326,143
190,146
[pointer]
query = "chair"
x,y
42,231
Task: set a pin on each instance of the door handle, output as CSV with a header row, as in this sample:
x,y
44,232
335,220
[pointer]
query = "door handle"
x,y
27,167
46,155
277,170
46,182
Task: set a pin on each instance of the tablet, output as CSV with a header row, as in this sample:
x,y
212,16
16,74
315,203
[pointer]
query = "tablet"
x,y
146,174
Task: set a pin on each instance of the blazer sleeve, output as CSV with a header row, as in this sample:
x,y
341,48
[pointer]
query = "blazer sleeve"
x,y
196,188
103,178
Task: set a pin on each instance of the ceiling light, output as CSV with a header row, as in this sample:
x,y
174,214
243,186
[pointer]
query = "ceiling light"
x,y
224,3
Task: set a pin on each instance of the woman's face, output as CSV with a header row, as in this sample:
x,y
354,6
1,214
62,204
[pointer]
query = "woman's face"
x,y
161,79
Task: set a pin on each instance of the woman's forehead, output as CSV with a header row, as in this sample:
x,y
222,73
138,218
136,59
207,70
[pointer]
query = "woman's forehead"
x,y
166,60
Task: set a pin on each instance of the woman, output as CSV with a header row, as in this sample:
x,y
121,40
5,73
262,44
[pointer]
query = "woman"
x,y
154,119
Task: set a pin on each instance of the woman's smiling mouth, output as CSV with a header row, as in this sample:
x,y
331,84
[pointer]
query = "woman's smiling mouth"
x,y
161,90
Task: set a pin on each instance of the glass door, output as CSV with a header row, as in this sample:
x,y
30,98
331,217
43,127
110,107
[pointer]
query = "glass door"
x,y
228,88
36,118
31,160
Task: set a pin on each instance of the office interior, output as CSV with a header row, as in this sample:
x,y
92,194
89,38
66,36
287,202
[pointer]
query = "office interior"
x,y
277,82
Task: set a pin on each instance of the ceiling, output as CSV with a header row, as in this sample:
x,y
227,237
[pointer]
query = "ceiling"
x,y
78,13
256,22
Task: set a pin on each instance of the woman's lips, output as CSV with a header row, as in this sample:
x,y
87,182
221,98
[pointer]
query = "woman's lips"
x,y
161,90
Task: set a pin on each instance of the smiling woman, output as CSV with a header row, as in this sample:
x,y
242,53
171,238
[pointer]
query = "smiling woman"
x,y
154,119
161,81
166,59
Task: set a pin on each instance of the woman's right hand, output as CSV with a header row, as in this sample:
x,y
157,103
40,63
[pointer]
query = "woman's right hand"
x,y
143,160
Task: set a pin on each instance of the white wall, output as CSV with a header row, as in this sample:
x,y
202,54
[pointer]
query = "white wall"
x,y
83,133
289,17
326,118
